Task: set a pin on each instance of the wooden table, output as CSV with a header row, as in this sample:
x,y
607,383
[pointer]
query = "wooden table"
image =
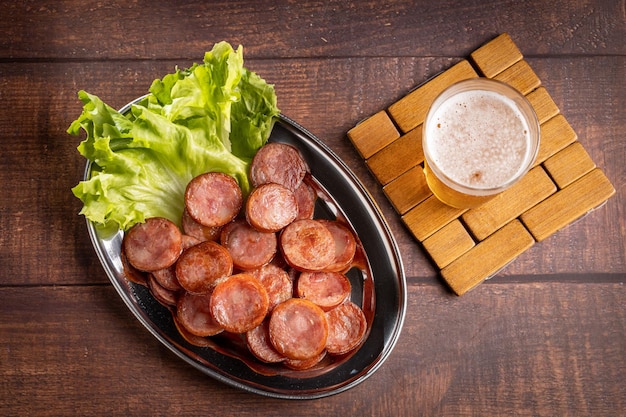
x,y
545,337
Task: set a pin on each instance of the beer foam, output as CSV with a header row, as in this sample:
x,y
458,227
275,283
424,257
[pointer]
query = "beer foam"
x,y
479,139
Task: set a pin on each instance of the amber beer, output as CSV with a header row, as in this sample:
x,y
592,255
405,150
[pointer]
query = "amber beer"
x,y
479,138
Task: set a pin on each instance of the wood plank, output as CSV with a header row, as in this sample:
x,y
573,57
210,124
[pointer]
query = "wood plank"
x,y
408,190
280,31
410,111
544,105
448,243
487,257
556,134
567,205
520,76
398,157
429,216
61,345
569,164
496,55
535,187
373,134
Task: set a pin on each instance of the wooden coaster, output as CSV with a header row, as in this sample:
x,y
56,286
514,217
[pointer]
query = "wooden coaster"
x,y
469,246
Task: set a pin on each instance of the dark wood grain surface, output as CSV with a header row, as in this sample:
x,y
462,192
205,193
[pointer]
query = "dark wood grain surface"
x,y
545,337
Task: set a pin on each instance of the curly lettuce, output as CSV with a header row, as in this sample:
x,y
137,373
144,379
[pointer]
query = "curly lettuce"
x,y
212,116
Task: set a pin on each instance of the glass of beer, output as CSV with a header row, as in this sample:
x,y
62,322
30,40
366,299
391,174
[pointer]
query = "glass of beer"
x,y
480,137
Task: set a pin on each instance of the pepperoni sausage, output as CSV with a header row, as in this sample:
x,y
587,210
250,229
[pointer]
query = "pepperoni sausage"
x,y
278,163
161,294
213,199
198,231
189,241
298,329
270,207
301,365
239,303
166,278
326,289
345,246
193,312
200,267
248,247
346,328
277,283
154,244
305,197
307,245
192,338
132,274
259,344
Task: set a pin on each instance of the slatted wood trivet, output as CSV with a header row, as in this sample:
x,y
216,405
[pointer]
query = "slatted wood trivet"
x,y
469,246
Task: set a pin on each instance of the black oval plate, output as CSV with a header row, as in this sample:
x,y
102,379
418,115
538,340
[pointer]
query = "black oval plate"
x,y
384,293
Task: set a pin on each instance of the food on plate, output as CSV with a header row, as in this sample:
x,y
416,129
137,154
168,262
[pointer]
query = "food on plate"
x,y
210,117
213,199
258,342
305,197
193,312
303,364
283,293
327,289
307,245
239,303
195,230
346,328
298,329
345,245
218,223
153,245
248,247
277,283
278,163
270,207
166,278
200,267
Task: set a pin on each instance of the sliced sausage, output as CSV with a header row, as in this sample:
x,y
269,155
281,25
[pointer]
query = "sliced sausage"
x,y
307,245
279,163
192,338
200,267
198,231
163,295
346,328
303,364
259,344
131,273
154,244
305,197
248,247
298,329
270,207
213,199
277,283
345,246
239,303
166,278
193,312
326,289
189,241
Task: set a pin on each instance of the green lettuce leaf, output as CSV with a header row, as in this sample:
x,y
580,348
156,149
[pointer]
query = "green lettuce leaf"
x,y
212,116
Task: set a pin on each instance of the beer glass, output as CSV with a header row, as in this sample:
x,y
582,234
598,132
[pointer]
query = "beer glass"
x,y
480,137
